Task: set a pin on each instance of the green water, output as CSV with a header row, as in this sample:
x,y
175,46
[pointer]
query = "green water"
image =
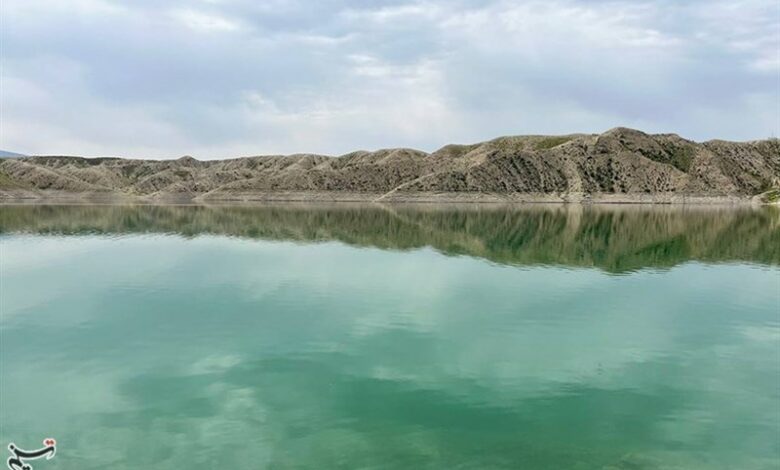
x,y
391,337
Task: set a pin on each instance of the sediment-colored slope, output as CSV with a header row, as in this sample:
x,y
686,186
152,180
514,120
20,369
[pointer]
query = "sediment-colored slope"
x,y
620,163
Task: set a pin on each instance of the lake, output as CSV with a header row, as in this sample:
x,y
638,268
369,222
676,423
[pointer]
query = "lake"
x,y
367,336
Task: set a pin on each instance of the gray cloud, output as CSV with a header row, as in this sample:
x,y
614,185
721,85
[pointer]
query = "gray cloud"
x,y
220,78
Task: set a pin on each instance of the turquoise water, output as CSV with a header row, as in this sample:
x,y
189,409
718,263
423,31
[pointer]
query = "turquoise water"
x,y
400,337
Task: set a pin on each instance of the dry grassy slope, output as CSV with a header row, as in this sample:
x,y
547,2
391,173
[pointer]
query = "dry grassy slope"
x,y
620,161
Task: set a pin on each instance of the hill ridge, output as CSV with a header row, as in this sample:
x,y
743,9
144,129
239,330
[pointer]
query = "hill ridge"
x,y
621,163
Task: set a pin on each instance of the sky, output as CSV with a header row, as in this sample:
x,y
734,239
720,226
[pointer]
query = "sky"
x,y
226,78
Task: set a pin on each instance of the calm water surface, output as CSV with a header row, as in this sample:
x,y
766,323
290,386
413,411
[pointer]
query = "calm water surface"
x,y
391,337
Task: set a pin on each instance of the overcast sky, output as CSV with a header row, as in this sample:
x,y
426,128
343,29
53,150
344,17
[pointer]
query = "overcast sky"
x,y
218,78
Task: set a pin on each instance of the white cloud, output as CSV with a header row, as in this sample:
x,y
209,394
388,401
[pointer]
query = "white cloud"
x,y
205,22
556,23
29,8
212,79
62,117
396,13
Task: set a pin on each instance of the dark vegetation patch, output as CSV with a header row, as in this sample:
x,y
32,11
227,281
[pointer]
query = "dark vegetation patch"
x,y
550,142
772,196
679,156
7,182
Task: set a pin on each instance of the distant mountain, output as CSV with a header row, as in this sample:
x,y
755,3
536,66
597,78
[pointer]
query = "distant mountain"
x,y
620,165
6,154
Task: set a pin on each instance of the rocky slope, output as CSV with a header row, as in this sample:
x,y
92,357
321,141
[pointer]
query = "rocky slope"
x,y
618,165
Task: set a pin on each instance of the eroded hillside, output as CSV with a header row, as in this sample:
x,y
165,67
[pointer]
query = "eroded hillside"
x,y
619,162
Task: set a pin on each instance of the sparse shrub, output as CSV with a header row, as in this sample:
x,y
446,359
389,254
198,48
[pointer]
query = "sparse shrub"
x,y
550,142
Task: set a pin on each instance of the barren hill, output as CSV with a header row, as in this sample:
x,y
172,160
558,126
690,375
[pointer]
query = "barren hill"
x,y
618,165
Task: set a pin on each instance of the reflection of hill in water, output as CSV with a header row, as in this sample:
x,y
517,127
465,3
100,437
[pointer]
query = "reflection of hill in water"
x,y
614,238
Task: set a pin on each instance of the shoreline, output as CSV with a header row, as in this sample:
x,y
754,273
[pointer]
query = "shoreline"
x,y
53,196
